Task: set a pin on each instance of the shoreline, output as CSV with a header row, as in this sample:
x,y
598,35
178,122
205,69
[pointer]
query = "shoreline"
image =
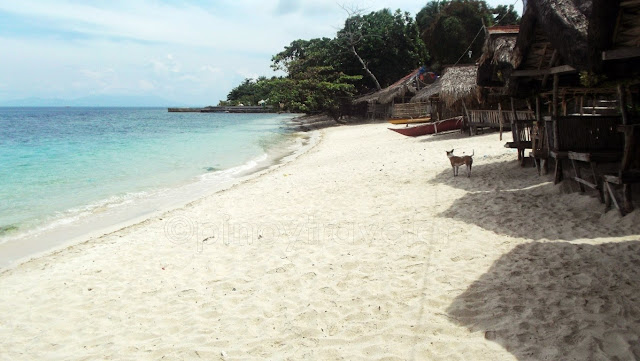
x,y
42,241
365,247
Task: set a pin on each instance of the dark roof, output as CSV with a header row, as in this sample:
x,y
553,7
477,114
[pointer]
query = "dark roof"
x,y
386,95
579,30
497,58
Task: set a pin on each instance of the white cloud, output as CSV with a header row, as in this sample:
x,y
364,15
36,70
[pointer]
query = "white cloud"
x,y
188,53
146,85
210,69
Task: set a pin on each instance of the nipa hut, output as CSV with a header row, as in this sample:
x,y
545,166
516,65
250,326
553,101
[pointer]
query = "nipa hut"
x,y
496,63
459,85
449,93
382,102
580,57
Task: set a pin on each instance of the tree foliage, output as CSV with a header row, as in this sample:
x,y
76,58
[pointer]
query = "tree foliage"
x,y
371,51
506,15
456,24
388,43
451,28
318,89
250,92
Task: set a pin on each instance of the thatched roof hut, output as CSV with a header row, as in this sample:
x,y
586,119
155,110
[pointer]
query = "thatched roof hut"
x,y
407,84
425,94
565,37
457,83
554,26
496,63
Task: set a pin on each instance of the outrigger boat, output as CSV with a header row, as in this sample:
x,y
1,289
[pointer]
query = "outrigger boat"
x,y
410,120
431,128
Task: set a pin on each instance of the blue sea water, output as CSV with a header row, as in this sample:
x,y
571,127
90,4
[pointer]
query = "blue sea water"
x,y
57,164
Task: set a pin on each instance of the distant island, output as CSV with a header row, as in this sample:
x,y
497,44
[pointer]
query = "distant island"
x,y
226,109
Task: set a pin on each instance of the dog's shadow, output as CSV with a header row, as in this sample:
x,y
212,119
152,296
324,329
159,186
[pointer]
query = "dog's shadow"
x,y
491,176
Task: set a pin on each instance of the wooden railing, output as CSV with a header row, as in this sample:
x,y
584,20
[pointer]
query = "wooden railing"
x,y
377,111
491,118
585,134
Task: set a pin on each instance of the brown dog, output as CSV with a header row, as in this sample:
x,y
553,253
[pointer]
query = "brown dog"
x,y
456,162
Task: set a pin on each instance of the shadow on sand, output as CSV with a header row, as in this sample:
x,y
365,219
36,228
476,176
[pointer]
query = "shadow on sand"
x,y
493,176
509,200
559,301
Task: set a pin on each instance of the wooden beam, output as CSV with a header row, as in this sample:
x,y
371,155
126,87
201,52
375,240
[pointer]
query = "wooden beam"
x,y
630,3
621,53
552,62
544,52
551,71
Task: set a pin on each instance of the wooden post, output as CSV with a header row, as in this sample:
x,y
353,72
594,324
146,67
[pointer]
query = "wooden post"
x,y
631,102
516,134
500,115
556,138
622,99
582,105
464,106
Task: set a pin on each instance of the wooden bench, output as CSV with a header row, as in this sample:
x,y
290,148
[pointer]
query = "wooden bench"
x,y
539,147
521,132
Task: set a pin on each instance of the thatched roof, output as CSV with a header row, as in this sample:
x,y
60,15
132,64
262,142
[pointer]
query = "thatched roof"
x,y
497,58
397,89
457,83
426,93
577,29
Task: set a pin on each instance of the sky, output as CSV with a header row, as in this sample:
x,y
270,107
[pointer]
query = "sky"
x,y
190,53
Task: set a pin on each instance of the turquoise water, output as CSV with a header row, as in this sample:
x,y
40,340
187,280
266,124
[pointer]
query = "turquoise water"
x,y
59,163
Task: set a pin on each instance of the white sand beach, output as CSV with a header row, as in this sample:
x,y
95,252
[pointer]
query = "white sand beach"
x,y
364,248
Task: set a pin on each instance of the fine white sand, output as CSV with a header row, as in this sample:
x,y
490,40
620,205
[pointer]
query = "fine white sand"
x,y
364,248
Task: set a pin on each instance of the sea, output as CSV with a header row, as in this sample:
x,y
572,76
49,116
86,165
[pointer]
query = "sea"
x,y
68,171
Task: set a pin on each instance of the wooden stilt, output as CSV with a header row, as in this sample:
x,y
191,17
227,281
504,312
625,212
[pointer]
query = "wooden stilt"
x,y
556,138
501,121
597,181
558,172
607,196
627,202
576,170
612,199
622,99
468,120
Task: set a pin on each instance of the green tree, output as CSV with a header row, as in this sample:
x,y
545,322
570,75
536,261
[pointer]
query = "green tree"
x,y
301,55
249,92
318,89
428,14
381,45
452,28
505,15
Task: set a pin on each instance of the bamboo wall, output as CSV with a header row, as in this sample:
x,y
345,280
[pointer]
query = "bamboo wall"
x,y
410,110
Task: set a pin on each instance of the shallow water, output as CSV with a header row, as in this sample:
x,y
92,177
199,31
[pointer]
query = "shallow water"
x,y
58,165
